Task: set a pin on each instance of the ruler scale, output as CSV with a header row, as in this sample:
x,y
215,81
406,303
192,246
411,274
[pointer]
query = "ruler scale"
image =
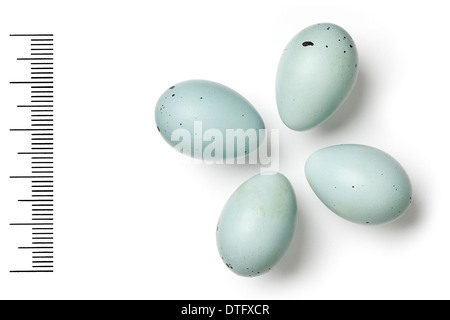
x,y
40,175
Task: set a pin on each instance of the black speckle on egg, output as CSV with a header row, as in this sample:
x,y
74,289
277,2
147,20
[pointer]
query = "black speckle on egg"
x,y
181,124
201,98
345,51
356,66
353,187
173,95
326,46
368,222
171,87
351,46
308,44
328,28
345,37
158,128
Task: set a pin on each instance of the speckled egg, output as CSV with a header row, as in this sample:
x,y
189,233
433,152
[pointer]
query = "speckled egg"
x,y
316,73
257,224
359,183
198,113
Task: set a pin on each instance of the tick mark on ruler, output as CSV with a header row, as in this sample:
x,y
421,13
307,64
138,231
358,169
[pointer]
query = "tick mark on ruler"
x,y
31,271
31,35
34,105
34,152
42,266
26,82
30,224
33,59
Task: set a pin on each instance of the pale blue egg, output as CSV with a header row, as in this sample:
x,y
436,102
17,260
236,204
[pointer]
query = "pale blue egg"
x,y
202,111
257,224
359,183
316,73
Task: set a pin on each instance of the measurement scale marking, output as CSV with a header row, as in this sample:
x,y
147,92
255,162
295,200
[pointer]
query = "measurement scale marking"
x,y
31,35
26,82
40,59
31,271
37,105
30,224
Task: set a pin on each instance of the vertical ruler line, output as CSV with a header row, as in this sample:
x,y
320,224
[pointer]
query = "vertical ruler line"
x,y
39,198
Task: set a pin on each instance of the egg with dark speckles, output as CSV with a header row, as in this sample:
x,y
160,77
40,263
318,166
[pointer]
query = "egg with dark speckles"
x,y
359,183
257,224
316,73
206,119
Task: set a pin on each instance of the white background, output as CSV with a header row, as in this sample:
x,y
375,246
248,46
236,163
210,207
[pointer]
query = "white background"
x,y
136,220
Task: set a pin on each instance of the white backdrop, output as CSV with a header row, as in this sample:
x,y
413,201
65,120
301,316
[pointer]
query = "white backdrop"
x,y
136,220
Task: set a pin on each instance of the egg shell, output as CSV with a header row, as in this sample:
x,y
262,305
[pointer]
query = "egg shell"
x,y
214,106
316,73
359,183
257,224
